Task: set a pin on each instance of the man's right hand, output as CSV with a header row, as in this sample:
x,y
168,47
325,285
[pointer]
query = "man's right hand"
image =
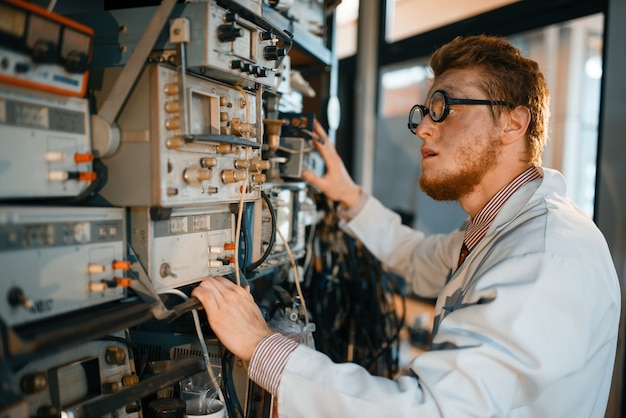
x,y
336,183
233,315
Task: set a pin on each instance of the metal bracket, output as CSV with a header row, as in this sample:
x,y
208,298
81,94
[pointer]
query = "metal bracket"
x,y
105,132
180,35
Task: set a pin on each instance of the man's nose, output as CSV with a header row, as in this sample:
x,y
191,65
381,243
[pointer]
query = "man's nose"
x,y
425,128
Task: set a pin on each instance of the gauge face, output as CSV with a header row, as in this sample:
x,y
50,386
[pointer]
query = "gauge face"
x,y
40,29
74,41
12,21
204,114
243,46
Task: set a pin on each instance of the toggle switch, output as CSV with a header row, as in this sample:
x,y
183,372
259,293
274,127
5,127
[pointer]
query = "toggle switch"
x,y
17,298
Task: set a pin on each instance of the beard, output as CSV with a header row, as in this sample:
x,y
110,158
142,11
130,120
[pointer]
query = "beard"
x,y
473,165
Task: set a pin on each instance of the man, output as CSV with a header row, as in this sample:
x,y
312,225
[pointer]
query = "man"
x,y
528,300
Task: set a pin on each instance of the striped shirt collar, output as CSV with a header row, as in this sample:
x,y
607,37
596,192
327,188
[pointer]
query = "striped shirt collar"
x,y
481,222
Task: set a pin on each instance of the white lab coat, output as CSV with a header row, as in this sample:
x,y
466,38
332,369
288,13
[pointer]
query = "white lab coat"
x,y
527,327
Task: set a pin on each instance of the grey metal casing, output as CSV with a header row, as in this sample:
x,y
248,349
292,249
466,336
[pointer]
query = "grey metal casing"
x,y
179,245
77,375
117,33
144,171
34,125
45,253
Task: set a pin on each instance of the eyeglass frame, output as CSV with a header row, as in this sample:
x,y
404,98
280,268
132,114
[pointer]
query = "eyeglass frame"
x,y
447,101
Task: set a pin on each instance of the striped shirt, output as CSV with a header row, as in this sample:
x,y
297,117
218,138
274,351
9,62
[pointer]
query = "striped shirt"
x,y
271,354
269,359
481,222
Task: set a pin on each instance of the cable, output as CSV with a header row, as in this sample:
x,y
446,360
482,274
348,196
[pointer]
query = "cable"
x,y
244,186
309,249
246,240
203,347
234,406
296,279
358,306
272,238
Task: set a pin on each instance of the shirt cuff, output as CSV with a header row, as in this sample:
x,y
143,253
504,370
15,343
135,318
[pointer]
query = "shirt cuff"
x,y
347,215
269,359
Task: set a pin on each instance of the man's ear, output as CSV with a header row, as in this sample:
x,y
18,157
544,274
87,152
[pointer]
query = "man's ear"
x,y
517,121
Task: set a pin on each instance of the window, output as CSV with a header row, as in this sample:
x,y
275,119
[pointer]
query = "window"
x,y
346,15
406,18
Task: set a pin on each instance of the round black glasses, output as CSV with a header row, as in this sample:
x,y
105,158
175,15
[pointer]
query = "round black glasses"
x,y
440,107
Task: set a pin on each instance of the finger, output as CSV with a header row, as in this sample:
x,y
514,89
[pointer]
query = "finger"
x,y
206,297
225,290
212,290
320,131
313,179
322,143
217,282
217,298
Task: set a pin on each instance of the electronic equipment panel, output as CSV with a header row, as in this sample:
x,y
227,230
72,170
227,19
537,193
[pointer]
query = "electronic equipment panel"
x,y
57,260
172,346
293,210
45,146
157,165
60,383
43,50
309,15
224,44
296,147
184,247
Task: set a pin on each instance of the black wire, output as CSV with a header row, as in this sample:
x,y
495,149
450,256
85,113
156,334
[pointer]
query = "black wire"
x,y
246,240
230,394
272,238
354,302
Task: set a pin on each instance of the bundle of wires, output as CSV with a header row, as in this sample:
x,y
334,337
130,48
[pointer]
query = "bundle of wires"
x,y
358,307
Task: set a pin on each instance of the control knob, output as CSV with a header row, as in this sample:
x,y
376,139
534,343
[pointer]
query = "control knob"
x,y
273,53
76,62
230,17
240,65
228,33
44,52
